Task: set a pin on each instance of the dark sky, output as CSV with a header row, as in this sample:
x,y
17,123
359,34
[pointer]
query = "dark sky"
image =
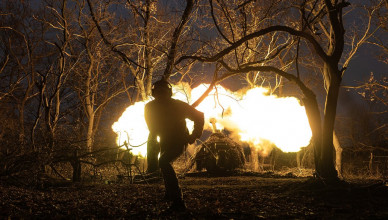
x,y
363,64
360,67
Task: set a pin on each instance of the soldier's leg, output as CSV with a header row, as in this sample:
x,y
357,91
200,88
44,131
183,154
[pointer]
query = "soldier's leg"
x,y
173,192
153,150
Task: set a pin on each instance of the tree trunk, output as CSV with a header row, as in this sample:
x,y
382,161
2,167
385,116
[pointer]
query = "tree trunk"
x,y
254,159
49,126
326,165
338,155
89,101
89,135
76,164
148,48
141,89
298,161
314,117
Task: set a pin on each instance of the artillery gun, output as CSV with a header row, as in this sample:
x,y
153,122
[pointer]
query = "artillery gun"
x,y
218,154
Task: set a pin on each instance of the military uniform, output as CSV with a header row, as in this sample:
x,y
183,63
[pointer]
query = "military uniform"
x,y
166,118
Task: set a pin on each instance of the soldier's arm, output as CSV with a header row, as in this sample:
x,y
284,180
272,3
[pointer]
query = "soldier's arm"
x,y
198,118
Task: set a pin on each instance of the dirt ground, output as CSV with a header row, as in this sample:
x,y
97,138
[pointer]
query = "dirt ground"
x,y
231,197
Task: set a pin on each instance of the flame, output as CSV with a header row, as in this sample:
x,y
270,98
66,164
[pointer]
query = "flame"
x,y
131,128
251,116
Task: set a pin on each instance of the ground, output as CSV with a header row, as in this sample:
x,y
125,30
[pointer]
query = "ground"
x,y
228,197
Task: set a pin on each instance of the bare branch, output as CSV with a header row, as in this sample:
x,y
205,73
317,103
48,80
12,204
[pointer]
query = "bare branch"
x,y
367,34
259,33
175,38
108,43
216,24
208,90
4,64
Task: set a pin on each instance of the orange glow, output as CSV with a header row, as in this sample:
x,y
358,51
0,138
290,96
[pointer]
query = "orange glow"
x,y
132,128
251,116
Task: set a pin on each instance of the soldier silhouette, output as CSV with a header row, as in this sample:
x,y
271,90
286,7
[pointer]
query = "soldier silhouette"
x,y
166,119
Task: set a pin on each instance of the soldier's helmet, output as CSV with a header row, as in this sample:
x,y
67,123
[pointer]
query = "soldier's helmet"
x,y
162,88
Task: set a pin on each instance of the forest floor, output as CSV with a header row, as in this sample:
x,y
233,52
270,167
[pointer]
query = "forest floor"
x,y
227,197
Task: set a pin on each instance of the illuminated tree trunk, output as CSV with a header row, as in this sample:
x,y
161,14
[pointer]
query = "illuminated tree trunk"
x,y
338,155
314,117
322,134
89,135
148,49
255,159
89,101
326,167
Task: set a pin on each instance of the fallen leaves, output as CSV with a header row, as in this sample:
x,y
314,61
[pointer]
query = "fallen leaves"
x,y
221,197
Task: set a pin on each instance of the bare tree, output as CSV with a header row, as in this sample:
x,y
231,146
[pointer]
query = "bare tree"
x,y
320,26
152,41
97,74
19,47
57,69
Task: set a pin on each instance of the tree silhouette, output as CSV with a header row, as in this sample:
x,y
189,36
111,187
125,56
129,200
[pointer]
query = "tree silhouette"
x,y
320,27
